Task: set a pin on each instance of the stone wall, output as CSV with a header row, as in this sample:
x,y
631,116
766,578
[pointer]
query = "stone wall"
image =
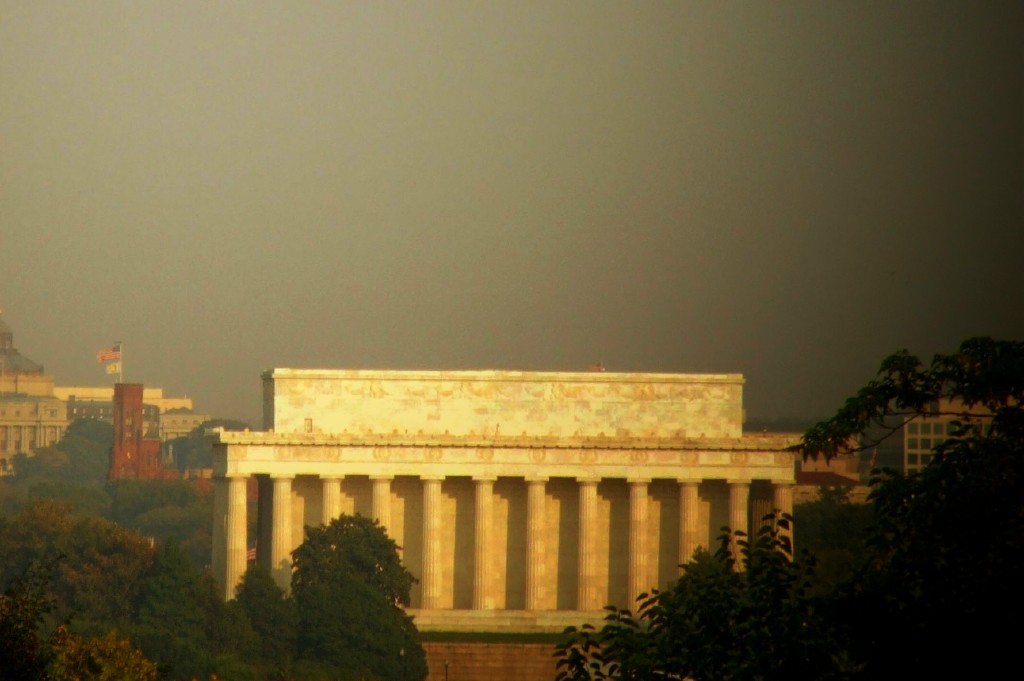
x,y
489,403
490,661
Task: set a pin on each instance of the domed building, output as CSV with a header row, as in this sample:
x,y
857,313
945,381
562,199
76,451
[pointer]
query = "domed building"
x,y
31,416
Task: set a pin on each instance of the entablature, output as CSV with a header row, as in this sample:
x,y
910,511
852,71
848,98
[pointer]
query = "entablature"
x,y
755,458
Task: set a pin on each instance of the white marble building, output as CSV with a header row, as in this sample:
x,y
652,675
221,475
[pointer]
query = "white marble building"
x,y
521,500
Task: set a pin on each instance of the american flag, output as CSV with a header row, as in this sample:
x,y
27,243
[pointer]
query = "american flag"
x,y
111,354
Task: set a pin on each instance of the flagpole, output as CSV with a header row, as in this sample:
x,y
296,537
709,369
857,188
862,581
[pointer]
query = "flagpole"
x,y
120,363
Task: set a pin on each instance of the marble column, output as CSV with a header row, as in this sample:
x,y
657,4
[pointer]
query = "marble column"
x,y
782,501
586,594
381,499
229,533
330,499
281,538
431,572
689,511
237,526
639,564
536,542
739,500
483,530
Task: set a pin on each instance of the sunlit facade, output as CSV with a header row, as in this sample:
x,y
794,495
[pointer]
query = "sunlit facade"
x,y
30,415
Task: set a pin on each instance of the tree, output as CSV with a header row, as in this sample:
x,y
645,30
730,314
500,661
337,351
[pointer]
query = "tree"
x,y
82,455
349,585
96,565
939,574
717,622
182,622
167,510
833,530
272,616
103,658
942,569
25,651
87,443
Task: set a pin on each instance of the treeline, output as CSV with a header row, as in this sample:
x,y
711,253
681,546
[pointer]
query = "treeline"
x,y
92,577
111,580
929,589
81,583
74,472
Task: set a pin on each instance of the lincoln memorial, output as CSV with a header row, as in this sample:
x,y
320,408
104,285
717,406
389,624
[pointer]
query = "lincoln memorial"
x,y
522,501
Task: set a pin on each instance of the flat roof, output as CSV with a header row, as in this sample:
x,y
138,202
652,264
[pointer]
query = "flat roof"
x,y
503,375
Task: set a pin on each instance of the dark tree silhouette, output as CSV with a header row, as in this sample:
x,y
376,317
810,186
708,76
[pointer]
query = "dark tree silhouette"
x,y
349,585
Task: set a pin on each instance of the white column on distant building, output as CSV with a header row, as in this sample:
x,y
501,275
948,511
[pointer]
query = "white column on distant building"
x,y
739,501
381,499
229,533
237,529
639,565
536,542
330,496
431,573
689,510
281,537
586,596
483,529
782,501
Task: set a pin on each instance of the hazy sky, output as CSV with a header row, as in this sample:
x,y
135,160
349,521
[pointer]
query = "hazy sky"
x,y
790,190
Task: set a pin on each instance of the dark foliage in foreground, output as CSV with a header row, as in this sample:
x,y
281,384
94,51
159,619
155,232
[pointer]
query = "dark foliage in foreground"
x,y
938,584
755,620
349,585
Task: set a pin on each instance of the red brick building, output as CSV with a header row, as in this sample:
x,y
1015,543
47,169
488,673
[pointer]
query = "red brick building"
x,y
133,455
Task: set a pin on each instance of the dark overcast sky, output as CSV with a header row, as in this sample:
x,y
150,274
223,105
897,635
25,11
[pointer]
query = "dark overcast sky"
x,y
790,190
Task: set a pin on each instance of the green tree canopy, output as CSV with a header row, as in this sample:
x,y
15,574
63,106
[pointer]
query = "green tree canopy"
x,y
82,455
349,585
167,510
103,658
25,650
183,623
273,617
87,443
942,571
97,566
834,530
719,622
938,584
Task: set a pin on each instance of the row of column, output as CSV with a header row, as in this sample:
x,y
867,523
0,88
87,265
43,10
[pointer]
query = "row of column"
x,y
639,579
26,438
